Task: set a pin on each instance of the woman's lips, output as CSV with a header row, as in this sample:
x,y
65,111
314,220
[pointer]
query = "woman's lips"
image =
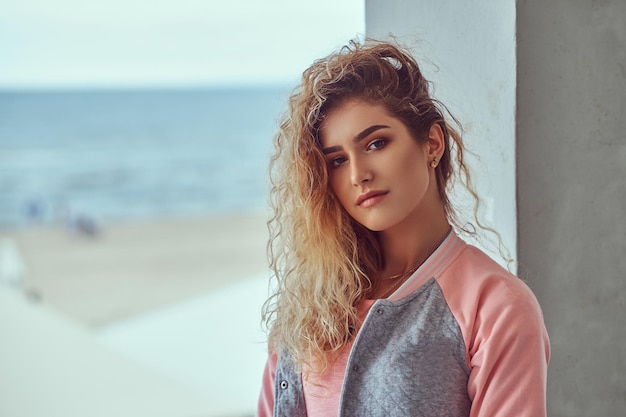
x,y
370,199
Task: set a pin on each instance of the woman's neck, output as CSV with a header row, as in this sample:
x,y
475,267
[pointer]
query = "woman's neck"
x,y
405,249
407,246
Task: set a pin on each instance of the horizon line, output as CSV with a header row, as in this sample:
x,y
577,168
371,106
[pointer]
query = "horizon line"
x,y
45,88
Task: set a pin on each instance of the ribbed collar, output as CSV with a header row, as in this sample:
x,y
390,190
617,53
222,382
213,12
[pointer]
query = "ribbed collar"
x,y
446,251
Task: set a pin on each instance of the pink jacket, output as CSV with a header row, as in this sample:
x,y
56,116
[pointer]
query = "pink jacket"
x,y
461,337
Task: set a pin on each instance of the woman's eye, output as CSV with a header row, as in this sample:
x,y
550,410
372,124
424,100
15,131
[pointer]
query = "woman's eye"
x,y
377,144
335,162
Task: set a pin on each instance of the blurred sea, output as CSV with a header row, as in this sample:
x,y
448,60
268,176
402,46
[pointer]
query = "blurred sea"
x,y
123,155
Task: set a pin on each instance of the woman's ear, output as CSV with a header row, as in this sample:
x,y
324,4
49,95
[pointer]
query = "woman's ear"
x,y
435,144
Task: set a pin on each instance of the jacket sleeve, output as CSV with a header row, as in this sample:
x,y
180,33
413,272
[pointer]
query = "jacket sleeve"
x,y
265,406
508,353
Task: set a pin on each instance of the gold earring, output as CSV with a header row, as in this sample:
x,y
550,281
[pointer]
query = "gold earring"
x,y
433,164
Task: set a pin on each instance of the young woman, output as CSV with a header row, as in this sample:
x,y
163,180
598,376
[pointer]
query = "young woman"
x,y
380,309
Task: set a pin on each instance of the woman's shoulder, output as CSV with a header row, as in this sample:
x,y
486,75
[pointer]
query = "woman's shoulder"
x,y
474,279
488,301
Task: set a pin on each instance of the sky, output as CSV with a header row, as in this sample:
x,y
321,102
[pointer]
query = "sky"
x,y
145,43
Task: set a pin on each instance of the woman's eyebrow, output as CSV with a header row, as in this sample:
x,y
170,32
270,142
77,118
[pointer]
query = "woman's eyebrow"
x,y
366,132
331,149
359,137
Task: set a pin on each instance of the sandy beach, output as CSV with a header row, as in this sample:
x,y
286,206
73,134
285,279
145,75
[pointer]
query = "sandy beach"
x,y
132,268
170,306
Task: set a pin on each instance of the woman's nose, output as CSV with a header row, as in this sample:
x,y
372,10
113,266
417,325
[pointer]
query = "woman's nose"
x,y
359,172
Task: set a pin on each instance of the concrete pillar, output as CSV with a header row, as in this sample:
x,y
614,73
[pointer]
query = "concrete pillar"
x,y
571,187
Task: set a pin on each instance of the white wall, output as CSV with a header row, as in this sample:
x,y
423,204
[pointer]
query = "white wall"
x,y
468,52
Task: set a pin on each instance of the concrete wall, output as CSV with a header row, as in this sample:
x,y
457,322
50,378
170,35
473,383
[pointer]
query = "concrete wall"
x,y
472,66
570,162
571,179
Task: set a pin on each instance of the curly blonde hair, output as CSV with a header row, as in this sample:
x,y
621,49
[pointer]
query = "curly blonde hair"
x,y
321,258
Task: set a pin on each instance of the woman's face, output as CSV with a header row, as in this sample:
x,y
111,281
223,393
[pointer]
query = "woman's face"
x,y
381,175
